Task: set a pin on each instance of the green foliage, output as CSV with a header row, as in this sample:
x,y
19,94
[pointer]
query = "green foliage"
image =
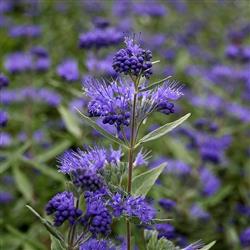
x,y
163,130
141,184
70,122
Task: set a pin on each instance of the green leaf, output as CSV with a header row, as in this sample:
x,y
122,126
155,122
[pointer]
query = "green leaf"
x,y
35,245
208,246
70,122
4,166
55,244
92,124
53,231
141,184
54,151
23,184
155,84
44,169
159,132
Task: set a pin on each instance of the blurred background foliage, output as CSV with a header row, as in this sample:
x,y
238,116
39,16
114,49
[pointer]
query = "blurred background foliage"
x,y
208,173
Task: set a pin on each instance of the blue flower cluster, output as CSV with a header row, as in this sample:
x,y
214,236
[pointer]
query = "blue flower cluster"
x,y
62,206
133,60
94,244
3,118
99,38
4,81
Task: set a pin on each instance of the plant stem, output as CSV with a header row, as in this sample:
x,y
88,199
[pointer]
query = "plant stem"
x,y
72,232
131,157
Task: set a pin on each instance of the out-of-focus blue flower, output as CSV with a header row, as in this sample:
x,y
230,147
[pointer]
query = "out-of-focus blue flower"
x,y
99,38
196,211
177,167
3,118
5,197
68,70
167,204
18,62
62,206
5,139
166,230
77,103
152,9
32,94
4,81
100,66
94,244
25,31
210,183
245,237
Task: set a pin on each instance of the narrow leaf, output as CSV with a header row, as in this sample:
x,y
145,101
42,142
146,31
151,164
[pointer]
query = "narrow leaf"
x,y
23,184
55,244
44,169
208,246
159,132
155,84
47,225
141,184
92,124
4,166
70,122
53,152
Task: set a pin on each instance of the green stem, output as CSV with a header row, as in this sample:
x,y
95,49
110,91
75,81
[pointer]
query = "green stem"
x,y
131,156
72,232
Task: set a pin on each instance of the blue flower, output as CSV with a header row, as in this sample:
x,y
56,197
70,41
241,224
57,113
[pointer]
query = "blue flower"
x,y
133,60
97,218
166,230
167,204
245,237
3,118
68,70
99,38
4,81
138,207
62,206
94,244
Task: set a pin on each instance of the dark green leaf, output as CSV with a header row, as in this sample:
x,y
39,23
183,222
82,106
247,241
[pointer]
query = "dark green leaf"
x,y
70,122
92,124
141,184
159,132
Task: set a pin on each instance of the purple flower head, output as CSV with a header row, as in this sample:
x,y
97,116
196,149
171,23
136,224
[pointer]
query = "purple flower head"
x,y
245,237
210,183
99,38
18,62
25,31
152,9
68,70
138,207
141,158
195,246
133,60
198,212
117,204
39,51
3,118
100,66
62,206
78,103
166,230
5,197
4,81
94,244
167,204
50,97
112,102
101,22
177,167
97,218
5,139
